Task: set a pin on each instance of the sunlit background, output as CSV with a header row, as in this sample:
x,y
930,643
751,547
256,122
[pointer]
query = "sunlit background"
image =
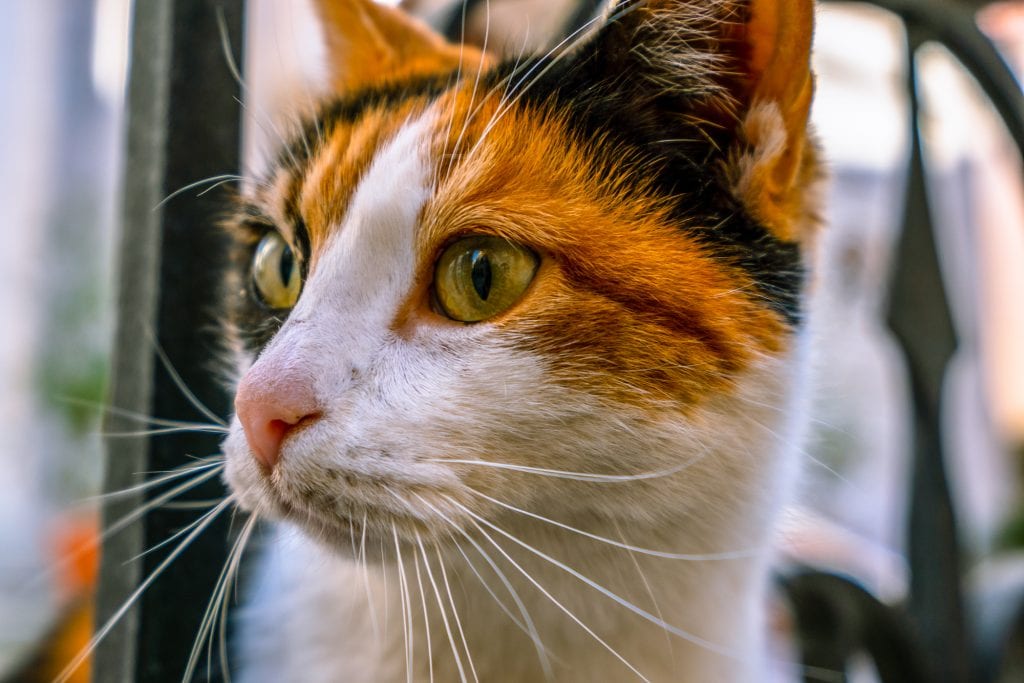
x,y
62,84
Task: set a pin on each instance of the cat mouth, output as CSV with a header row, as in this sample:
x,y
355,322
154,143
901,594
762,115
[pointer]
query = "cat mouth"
x,y
349,523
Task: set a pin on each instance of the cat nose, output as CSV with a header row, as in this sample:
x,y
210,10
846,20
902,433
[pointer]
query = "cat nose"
x,y
270,411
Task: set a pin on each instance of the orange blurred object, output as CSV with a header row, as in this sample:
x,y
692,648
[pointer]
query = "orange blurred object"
x,y
74,545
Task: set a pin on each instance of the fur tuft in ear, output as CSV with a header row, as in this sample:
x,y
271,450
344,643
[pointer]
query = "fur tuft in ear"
x,y
755,57
734,72
369,44
774,126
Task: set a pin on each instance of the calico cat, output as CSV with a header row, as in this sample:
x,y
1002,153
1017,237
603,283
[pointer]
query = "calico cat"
x,y
522,350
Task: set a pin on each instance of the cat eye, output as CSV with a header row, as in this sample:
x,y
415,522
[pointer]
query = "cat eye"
x,y
275,272
481,276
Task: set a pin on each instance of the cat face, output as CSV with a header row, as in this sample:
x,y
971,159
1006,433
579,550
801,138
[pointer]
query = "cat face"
x,y
470,282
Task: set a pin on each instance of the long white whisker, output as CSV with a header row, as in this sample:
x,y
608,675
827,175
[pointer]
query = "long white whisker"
x,y
384,575
702,557
455,615
501,604
426,614
639,611
182,387
198,428
216,602
530,627
229,59
440,606
138,417
121,522
563,474
650,594
406,608
65,674
233,573
193,504
184,470
366,580
458,76
178,534
476,83
558,604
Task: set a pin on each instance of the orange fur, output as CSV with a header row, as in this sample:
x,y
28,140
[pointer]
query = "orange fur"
x,y
370,44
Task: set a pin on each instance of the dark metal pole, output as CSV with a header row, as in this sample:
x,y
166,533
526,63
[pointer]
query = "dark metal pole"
x,y
919,316
183,126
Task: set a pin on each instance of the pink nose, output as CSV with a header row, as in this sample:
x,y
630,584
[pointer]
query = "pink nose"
x,y
269,411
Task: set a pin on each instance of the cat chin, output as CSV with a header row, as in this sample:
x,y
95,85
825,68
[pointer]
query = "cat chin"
x,y
339,533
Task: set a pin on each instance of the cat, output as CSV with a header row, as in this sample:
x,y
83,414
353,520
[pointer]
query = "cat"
x,y
522,347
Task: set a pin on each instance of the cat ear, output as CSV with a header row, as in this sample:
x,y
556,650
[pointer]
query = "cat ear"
x,y
770,175
737,69
372,44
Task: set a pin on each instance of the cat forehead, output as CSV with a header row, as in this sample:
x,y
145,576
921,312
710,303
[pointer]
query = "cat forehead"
x,y
490,164
318,174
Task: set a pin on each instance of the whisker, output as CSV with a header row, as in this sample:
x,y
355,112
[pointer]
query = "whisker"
x,y
476,572
178,534
455,614
558,604
233,573
216,603
176,473
530,628
200,428
650,594
125,520
72,666
639,611
193,504
476,82
366,580
458,75
426,615
236,74
440,606
180,383
563,48
384,574
702,557
563,474
214,182
403,589
133,415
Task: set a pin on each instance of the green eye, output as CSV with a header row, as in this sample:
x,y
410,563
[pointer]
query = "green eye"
x,y
481,276
275,272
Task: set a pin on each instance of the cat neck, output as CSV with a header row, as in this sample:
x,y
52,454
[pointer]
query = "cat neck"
x,y
662,616
596,610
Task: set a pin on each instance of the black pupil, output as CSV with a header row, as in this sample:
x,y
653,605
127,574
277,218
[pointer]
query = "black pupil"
x,y
481,273
286,265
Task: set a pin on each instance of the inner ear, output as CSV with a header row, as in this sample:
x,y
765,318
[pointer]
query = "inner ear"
x,y
735,73
369,44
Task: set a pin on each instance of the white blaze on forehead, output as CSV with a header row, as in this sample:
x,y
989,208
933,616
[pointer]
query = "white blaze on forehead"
x,y
370,258
365,269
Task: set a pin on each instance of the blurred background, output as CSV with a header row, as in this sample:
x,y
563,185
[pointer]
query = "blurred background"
x,y
63,66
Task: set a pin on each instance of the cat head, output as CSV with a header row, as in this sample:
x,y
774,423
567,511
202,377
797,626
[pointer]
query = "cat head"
x,y
568,283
